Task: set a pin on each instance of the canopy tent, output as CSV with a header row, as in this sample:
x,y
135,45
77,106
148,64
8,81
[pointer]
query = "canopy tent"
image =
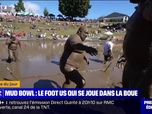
x,y
18,13
3,13
25,13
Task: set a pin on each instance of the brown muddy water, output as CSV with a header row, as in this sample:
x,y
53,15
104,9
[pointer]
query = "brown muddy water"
x,y
42,58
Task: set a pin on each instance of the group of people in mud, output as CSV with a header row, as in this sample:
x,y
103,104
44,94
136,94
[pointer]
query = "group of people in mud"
x,y
137,51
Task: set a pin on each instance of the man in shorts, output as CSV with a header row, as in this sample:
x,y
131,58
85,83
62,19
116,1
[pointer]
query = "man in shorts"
x,y
69,62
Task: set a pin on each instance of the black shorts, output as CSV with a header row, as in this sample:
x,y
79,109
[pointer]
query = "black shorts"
x,y
74,76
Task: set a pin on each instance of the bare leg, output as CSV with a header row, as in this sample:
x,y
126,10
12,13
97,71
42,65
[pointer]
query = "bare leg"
x,y
77,78
15,55
9,56
66,74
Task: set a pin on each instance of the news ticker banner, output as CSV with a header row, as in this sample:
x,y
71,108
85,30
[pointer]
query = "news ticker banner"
x,y
68,93
75,105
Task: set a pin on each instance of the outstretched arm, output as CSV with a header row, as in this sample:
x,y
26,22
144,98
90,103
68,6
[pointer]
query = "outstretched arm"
x,y
76,43
79,46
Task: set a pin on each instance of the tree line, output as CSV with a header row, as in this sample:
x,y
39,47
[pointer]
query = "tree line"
x,y
69,8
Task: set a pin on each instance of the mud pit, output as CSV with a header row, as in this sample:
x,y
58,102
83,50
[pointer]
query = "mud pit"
x,y
39,66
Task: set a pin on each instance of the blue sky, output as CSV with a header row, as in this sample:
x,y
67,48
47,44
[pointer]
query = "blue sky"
x,y
99,8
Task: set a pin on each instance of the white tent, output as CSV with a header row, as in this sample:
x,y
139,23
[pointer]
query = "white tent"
x,y
25,13
3,13
18,13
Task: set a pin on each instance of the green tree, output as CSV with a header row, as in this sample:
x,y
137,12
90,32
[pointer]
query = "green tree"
x,y
19,6
45,12
74,8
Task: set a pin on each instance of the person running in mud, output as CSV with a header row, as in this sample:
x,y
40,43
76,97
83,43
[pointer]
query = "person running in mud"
x,y
137,49
13,43
74,49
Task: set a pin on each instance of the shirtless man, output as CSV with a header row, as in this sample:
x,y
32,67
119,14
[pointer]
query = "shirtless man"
x,y
137,48
69,62
13,43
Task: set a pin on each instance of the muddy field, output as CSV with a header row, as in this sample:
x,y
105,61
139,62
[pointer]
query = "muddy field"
x,y
39,65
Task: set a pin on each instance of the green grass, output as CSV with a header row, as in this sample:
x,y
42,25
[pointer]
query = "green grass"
x,y
120,34
71,30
